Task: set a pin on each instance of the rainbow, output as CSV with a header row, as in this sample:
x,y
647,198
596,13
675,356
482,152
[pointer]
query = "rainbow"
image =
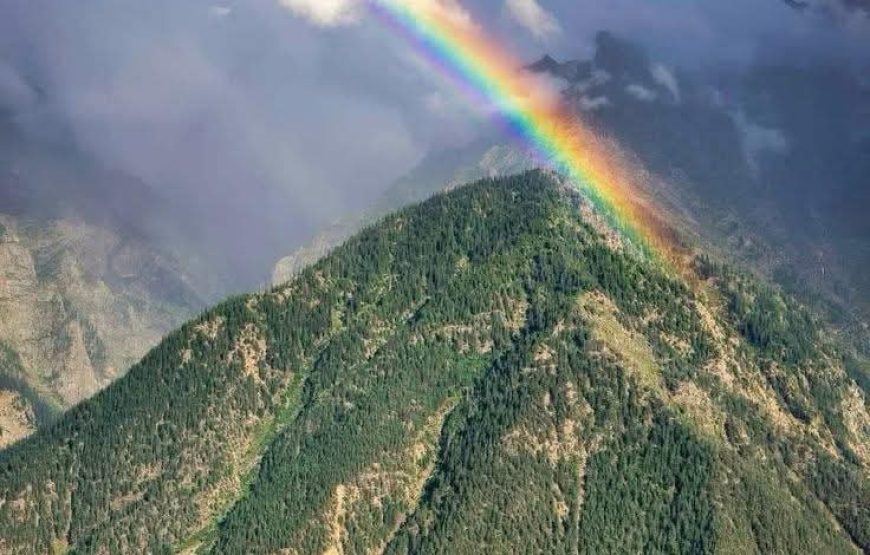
x,y
490,74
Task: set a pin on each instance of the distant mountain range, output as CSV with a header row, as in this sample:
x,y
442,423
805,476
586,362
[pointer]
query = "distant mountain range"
x,y
440,171
765,165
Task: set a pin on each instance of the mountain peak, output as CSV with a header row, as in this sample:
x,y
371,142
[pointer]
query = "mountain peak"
x,y
547,64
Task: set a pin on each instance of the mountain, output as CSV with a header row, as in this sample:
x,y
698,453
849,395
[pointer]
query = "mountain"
x,y
490,371
85,290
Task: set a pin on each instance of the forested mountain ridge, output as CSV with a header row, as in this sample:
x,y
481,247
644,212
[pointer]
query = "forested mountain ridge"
x,y
482,372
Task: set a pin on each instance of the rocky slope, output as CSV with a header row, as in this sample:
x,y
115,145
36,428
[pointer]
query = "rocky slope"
x,y
78,306
491,371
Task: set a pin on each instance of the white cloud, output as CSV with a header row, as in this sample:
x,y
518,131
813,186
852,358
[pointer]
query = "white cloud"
x,y
533,17
331,13
220,11
591,104
641,93
664,77
326,13
596,79
758,140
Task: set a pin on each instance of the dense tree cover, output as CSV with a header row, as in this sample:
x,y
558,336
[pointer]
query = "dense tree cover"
x,y
859,370
644,489
438,384
788,347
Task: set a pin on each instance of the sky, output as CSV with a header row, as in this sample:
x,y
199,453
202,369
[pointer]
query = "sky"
x,y
266,119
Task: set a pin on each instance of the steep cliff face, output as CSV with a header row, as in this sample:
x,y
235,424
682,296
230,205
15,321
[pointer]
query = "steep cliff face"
x,y
78,306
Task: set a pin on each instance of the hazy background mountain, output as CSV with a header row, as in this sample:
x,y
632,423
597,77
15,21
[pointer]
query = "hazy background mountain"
x,y
440,171
85,288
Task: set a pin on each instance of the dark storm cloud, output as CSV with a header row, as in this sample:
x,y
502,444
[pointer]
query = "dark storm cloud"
x,y
256,125
174,90
708,31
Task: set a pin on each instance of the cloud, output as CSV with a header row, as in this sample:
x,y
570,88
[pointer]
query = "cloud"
x,y
702,33
333,13
220,11
533,17
665,77
758,141
239,124
261,128
641,93
450,9
327,13
543,90
15,93
590,104
597,78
